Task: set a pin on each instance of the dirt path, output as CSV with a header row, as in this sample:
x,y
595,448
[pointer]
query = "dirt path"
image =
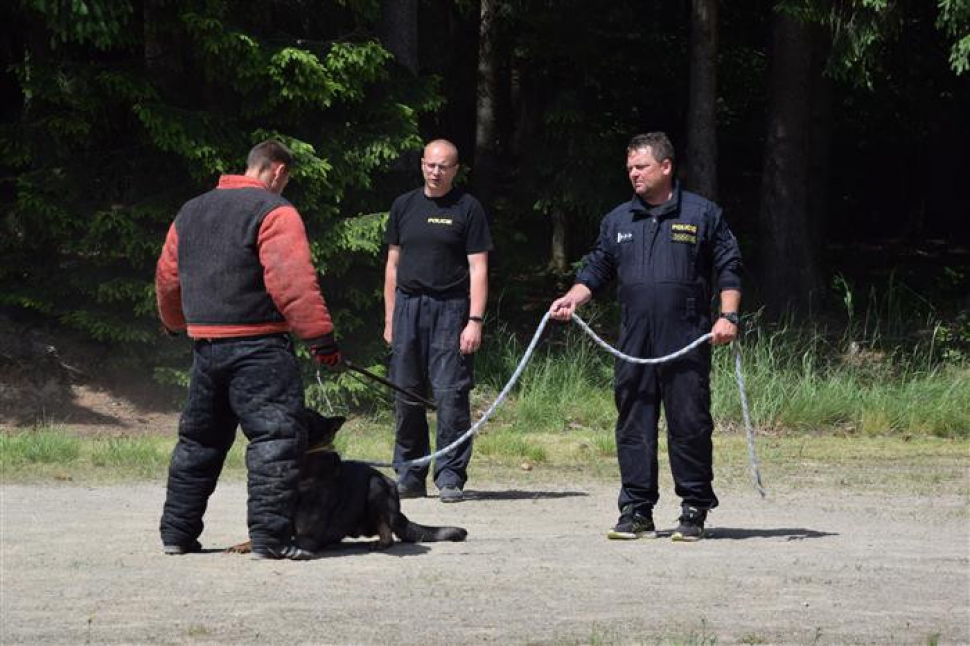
x,y
83,564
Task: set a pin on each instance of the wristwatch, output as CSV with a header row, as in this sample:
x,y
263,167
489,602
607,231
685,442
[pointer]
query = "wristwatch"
x,y
731,317
477,319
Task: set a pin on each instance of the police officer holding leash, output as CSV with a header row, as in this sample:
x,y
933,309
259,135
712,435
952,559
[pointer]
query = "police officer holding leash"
x,y
236,273
665,246
435,290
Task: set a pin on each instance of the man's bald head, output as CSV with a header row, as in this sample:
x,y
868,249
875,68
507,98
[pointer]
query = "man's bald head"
x,y
439,165
442,146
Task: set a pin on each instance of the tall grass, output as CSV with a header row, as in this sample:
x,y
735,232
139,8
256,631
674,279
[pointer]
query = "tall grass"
x,y
563,386
857,381
40,447
800,380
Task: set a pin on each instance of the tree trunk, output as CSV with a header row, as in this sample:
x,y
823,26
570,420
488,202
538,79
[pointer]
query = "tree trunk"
x,y
485,112
700,167
398,31
820,139
790,272
557,252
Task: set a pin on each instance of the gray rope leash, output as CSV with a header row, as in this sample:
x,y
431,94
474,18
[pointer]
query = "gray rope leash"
x,y
527,356
420,462
616,353
746,415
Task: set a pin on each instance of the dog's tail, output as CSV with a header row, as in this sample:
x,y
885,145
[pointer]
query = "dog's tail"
x,y
410,532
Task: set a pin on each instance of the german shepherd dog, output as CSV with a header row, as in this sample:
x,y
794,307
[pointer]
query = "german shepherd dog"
x,y
339,499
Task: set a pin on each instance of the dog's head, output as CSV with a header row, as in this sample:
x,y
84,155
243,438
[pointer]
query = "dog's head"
x,y
321,430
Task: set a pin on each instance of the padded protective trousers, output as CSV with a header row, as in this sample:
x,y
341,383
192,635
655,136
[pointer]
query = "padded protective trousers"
x,y
254,383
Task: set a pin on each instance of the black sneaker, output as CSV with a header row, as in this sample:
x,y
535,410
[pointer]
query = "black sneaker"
x,y
407,492
288,552
633,524
691,525
451,494
176,550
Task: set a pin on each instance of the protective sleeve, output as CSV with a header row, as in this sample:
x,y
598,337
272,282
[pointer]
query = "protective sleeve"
x,y
599,266
727,255
289,274
168,291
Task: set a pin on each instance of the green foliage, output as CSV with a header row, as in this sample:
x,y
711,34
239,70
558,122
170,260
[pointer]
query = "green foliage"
x,y
954,21
100,23
862,30
132,112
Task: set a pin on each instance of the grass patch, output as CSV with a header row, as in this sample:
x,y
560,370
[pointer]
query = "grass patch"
x,y
507,445
919,464
143,456
797,380
47,446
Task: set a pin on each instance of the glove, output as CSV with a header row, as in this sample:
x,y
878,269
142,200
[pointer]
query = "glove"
x,y
324,350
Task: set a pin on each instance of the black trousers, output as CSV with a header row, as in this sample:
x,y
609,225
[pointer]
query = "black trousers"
x,y
654,327
424,352
254,383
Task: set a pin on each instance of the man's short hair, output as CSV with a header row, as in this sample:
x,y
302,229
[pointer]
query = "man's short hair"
x,y
658,143
265,154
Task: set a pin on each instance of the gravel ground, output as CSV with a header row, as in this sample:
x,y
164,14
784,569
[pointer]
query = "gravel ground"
x,y
82,564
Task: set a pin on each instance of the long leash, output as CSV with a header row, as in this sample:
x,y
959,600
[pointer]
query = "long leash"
x,y
527,356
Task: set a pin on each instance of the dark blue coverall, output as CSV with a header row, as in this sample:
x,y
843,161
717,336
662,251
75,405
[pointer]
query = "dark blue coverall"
x,y
665,259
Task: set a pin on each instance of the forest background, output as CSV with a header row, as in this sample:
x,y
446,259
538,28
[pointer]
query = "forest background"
x,y
834,134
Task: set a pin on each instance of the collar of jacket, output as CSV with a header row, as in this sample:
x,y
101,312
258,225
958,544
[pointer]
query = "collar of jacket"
x,y
240,181
640,209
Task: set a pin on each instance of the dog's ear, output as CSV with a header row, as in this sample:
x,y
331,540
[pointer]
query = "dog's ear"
x,y
320,429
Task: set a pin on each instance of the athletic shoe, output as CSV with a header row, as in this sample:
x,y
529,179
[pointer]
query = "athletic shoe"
x,y
691,527
451,494
289,552
407,492
632,525
176,550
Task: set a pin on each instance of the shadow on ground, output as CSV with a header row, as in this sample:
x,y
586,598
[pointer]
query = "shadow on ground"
x,y
788,533
516,494
347,548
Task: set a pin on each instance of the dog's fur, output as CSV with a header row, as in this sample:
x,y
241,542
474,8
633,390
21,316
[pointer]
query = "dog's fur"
x,y
339,499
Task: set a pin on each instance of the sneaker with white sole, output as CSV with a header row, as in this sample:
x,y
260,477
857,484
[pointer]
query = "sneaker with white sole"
x,y
633,524
691,525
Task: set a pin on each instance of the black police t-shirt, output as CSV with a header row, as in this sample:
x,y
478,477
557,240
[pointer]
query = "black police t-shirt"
x,y
436,236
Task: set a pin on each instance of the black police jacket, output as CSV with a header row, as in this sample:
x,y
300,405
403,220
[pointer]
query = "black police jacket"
x,y
667,258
